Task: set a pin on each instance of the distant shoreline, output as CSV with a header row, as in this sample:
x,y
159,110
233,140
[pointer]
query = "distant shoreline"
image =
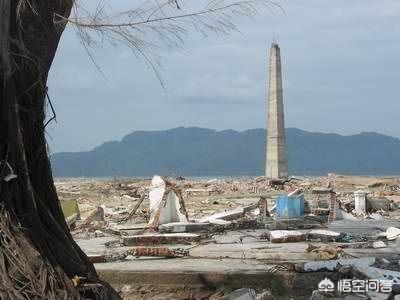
x,y
207,178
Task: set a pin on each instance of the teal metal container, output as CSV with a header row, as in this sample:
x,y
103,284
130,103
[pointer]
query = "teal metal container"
x,y
289,207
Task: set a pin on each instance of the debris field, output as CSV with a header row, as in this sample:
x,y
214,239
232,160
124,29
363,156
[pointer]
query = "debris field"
x,y
180,238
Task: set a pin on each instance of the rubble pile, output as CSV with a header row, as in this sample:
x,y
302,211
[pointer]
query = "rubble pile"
x,y
321,219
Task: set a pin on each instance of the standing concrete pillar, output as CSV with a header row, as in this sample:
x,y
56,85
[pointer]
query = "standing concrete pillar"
x,y
276,162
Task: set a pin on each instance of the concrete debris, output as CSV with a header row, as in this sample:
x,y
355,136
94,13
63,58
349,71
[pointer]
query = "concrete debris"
x,y
297,191
99,233
375,204
126,220
359,200
162,252
286,236
183,227
323,235
103,258
158,252
95,215
378,244
333,265
228,215
154,239
71,220
376,216
384,261
307,222
166,203
220,222
108,211
130,226
392,233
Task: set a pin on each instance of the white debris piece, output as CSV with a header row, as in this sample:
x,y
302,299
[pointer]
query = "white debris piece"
x,y
324,232
220,222
228,215
359,201
392,233
376,216
286,236
378,244
166,204
10,177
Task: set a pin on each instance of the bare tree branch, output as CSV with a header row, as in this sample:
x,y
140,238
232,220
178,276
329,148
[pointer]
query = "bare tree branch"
x,y
156,24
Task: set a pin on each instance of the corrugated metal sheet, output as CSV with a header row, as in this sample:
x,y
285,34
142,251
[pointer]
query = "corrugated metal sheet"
x,y
289,207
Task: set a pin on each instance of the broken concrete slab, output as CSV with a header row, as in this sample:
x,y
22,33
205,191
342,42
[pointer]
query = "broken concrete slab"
x,y
286,236
228,215
166,203
220,222
375,216
323,235
167,238
333,265
177,227
127,227
392,233
378,244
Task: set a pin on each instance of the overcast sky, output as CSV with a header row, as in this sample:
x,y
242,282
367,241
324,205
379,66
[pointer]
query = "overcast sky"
x,y
341,69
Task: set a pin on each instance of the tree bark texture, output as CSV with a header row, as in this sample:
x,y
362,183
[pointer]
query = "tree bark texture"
x,y
29,36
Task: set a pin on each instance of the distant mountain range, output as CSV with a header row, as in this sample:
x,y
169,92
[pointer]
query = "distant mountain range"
x,y
204,152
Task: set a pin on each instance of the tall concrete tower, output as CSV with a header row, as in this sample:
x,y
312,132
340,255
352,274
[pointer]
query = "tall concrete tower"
x,y
276,162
